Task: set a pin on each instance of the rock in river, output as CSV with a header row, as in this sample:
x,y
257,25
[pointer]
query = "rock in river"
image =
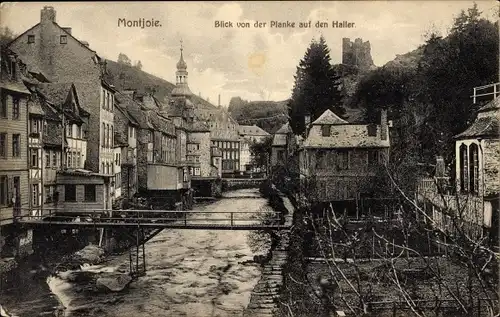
x,y
114,283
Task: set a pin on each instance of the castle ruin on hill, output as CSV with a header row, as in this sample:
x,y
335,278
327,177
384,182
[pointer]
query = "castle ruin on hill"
x,y
357,53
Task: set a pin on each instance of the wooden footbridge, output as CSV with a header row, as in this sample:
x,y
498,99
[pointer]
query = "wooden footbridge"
x,y
156,219
139,226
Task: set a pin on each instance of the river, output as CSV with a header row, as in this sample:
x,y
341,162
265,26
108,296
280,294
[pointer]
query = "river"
x,y
189,273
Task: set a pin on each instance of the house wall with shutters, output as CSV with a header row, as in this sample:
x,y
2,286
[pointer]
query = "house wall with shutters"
x,y
10,166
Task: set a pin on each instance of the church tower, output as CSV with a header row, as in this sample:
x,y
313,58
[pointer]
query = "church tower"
x,y
181,79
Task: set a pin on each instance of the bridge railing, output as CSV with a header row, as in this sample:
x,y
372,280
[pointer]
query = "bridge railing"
x,y
230,218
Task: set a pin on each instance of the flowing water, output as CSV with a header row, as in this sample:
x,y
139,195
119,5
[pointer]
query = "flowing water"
x,y
189,273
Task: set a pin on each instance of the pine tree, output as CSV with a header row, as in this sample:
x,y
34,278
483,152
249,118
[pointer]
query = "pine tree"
x,y
316,87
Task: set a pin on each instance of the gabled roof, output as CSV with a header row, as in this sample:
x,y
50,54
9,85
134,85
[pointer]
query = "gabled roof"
x,y
61,96
199,126
14,86
328,117
482,127
285,128
486,124
252,130
35,108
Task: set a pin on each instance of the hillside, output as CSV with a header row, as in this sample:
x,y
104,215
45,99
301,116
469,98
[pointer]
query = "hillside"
x,y
269,115
129,77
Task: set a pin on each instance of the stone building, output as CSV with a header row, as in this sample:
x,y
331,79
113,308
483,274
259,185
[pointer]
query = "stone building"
x,y
339,159
53,51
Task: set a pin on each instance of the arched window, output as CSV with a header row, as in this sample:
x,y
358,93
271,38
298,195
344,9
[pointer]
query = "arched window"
x,y
464,173
473,168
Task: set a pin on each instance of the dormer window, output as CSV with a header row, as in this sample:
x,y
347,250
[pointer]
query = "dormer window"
x,y
63,39
326,130
31,39
13,69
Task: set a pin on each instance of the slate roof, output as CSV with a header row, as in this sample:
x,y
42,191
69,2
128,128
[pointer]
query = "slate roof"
x,y
252,130
345,136
486,124
328,117
56,92
199,126
482,127
14,86
135,111
285,128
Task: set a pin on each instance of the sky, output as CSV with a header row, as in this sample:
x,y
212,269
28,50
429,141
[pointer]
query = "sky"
x,y
252,63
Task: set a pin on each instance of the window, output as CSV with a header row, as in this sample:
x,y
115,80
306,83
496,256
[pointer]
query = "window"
x,y
130,132
17,188
4,190
90,193
70,192
464,175
69,130
372,157
47,159
16,145
34,127
3,110
13,69
326,130
49,194
118,180
31,39
63,39
15,108
343,160
3,144
54,159
474,168
196,171
102,168
35,193
34,158
112,138
78,159
103,137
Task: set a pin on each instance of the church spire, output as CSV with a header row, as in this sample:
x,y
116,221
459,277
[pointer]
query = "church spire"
x,y
181,76
181,64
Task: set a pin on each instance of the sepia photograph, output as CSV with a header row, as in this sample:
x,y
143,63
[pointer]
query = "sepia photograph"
x,y
250,159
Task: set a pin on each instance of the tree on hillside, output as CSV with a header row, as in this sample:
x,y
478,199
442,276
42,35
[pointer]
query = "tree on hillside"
x,y
317,87
138,65
6,36
123,59
434,92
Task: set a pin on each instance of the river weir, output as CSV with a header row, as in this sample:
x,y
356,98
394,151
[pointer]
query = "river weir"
x,y
189,273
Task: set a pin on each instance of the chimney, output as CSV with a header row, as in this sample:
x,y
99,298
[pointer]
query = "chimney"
x,y
48,14
218,104
384,128
68,30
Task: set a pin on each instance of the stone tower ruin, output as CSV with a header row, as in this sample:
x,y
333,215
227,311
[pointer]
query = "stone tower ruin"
x,y
357,53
